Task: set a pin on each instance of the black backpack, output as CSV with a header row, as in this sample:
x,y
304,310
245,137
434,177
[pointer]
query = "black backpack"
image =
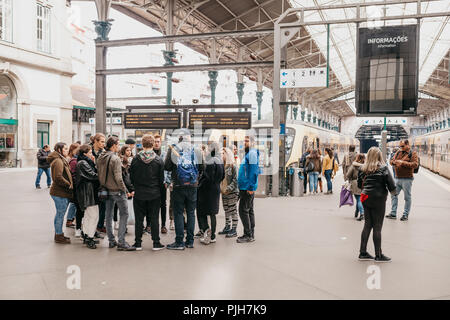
x,y
310,167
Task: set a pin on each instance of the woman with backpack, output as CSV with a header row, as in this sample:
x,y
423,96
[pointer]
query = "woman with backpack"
x,y
87,185
352,177
209,192
329,169
230,194
61,190
313,167
375,180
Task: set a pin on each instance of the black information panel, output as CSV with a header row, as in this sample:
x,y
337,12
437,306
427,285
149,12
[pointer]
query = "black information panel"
x,y
221,120
153,120
387,71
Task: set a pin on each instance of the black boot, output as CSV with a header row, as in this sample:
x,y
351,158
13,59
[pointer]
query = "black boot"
x,y
225,230
356,212
91,243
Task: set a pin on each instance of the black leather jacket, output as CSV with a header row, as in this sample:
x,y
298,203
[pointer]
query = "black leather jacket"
x,y
378,183
86,184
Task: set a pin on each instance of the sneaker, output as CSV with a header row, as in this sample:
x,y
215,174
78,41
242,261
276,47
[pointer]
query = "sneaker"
x,y
206,237
365,257
125,247
163,230
158,246
382,258
198,235
78,233
243,239
404,218
175,246
361,217
189,245
138,246
171,226
390,216
213,239
38,187
98,235
232,233
90,243
225,230
112,244
70,224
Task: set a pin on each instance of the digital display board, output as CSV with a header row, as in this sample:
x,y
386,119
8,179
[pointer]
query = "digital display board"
x,y
387,71
168,120
221,120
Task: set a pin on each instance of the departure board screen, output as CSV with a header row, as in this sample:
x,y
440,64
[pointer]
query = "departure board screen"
x,y
169,120
221,120
140,133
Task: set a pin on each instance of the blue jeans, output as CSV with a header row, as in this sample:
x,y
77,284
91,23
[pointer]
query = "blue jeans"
x,y
359,206
119,198
328,177
61,207
71,211
39,174
313,179
404,184
184,197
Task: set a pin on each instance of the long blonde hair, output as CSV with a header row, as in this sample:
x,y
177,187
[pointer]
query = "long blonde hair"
x,y
229,156
374,160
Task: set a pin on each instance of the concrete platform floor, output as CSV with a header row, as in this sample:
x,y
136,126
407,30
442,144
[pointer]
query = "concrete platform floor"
x,y
305,248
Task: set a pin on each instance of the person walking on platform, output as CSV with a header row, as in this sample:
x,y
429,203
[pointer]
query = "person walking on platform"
x,y
72,209
302,163
313,166
61,189
147,176
403,163
230,194
109,169
164,186
352,177
209,192
43,166
182,160
375,180
349,158
98,144
329,168
87,185
247,184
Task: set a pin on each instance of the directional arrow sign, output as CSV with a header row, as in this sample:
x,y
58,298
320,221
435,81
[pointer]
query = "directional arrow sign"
x,y
303,78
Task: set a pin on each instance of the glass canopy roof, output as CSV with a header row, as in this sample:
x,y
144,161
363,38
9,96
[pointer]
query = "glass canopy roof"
x,y
434,33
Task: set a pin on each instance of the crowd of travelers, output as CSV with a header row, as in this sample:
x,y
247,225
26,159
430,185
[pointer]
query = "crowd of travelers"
x,y
93,183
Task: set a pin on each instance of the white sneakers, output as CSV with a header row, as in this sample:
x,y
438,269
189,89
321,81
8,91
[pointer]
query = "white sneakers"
x,y
77,233
206,239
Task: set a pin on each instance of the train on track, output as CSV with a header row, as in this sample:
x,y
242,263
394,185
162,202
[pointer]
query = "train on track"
x,y
433,150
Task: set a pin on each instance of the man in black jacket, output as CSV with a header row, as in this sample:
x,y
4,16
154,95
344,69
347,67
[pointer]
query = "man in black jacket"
x,y
43,166
147,177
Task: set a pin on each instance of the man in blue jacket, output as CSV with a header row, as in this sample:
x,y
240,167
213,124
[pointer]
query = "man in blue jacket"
x,y
248,183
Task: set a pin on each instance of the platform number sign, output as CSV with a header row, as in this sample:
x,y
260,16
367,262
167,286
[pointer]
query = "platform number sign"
x,y
303,78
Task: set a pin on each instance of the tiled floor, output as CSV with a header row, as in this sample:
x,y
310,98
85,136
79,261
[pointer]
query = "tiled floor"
x,y
305,248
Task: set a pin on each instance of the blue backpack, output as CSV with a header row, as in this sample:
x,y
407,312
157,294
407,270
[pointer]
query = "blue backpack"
x,y
187,171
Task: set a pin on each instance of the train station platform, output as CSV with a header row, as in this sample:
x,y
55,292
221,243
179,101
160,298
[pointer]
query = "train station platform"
x,y
305,248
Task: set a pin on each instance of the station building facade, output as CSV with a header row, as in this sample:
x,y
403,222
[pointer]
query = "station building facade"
x,y
35,79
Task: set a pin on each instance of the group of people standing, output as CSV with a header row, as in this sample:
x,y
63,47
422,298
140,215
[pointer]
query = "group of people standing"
x,y
370,182
315,166
97,179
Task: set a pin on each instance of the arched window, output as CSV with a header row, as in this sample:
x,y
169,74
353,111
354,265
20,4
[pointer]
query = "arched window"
x,y
8,123
8,105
